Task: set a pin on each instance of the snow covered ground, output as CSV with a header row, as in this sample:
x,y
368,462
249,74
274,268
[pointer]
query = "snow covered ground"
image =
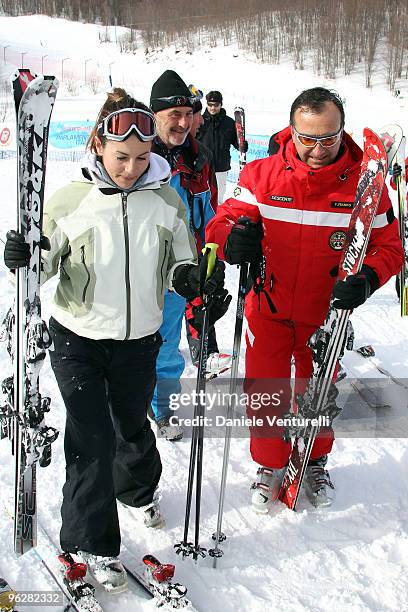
x,y
352,557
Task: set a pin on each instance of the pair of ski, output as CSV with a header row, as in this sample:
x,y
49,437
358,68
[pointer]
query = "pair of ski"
x,y
27,337
156,579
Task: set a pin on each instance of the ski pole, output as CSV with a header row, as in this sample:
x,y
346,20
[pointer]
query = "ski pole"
x,y
184,547
218,536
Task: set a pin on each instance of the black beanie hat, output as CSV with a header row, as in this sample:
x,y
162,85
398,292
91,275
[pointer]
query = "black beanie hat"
x,y
214,96
169,84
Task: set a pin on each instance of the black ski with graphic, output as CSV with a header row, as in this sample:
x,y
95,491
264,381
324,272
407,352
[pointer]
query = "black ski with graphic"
x,y
239,117
26,334
329,341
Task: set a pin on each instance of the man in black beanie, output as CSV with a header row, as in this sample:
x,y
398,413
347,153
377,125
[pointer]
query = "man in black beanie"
x,y
218,133
173,105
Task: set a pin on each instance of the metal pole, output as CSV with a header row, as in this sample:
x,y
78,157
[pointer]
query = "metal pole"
x,y
23,53
239,318
42,63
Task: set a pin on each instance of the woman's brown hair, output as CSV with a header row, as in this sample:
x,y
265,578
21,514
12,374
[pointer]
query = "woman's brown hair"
x,y
117,99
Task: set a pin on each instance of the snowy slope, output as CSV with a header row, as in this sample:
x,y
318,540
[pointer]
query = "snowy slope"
x,y
350,558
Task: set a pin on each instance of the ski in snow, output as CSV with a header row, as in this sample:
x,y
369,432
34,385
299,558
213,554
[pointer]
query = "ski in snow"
x,y
26,334
330,340
368,352
68,575
156,579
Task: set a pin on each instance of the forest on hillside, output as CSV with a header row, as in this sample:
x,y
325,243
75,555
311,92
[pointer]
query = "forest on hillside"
x,y
334,37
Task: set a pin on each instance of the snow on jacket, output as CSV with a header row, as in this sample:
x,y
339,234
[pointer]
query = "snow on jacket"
x,y
305,214
218,133
116,252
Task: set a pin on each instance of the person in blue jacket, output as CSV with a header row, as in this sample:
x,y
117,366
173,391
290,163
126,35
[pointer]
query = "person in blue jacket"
x,y
192,176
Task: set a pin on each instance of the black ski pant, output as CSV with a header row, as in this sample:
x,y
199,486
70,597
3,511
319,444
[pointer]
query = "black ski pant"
x,y
110,449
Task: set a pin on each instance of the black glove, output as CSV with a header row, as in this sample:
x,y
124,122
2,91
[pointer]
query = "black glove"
x,y
245,146
16,251
354,291
244,242
218,307
188,280
396,171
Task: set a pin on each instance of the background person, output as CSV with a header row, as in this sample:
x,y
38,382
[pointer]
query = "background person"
x,y
193,178
218,133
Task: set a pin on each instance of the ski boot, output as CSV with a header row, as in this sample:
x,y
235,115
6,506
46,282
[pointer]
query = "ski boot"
x,y
107,571
266,488
318,486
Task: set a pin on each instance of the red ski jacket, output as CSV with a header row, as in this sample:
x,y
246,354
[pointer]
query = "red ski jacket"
x,y
305,214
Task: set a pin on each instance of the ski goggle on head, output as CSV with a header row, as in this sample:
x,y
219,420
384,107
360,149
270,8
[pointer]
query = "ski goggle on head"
x,y
120,124
311,141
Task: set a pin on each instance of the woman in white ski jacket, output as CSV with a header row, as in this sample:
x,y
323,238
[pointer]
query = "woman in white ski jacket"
x,y
119,237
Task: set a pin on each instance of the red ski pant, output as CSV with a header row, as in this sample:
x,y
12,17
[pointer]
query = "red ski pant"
x,y
270,346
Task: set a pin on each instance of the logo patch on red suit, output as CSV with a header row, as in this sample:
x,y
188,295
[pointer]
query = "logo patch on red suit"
x,y
336,240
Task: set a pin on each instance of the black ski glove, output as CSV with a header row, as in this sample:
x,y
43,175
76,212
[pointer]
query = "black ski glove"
x,y
245,146
188,279
244,242
16,251
219,304
354,291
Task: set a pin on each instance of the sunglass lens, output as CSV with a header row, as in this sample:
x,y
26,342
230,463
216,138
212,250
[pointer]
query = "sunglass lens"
x,y
307,141
329,141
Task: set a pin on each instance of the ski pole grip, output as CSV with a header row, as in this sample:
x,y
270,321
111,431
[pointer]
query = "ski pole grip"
x,y
210,251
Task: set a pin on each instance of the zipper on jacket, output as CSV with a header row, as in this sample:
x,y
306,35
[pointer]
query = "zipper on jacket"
x,y
127,276
87,272
166,242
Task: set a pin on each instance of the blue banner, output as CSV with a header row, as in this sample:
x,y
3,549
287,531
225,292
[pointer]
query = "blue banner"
x,y
69,134
257,148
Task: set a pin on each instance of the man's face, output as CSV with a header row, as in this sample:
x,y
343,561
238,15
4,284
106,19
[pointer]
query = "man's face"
x,y
214,107
326,123
173,125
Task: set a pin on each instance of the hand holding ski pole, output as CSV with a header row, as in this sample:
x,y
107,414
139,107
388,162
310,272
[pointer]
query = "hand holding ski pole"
x,y
211,271
244,242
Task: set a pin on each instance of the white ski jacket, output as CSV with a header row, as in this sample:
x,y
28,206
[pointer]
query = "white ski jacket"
x,y
116,252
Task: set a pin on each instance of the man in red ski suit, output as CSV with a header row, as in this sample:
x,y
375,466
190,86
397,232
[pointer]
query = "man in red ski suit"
x,y
299,202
